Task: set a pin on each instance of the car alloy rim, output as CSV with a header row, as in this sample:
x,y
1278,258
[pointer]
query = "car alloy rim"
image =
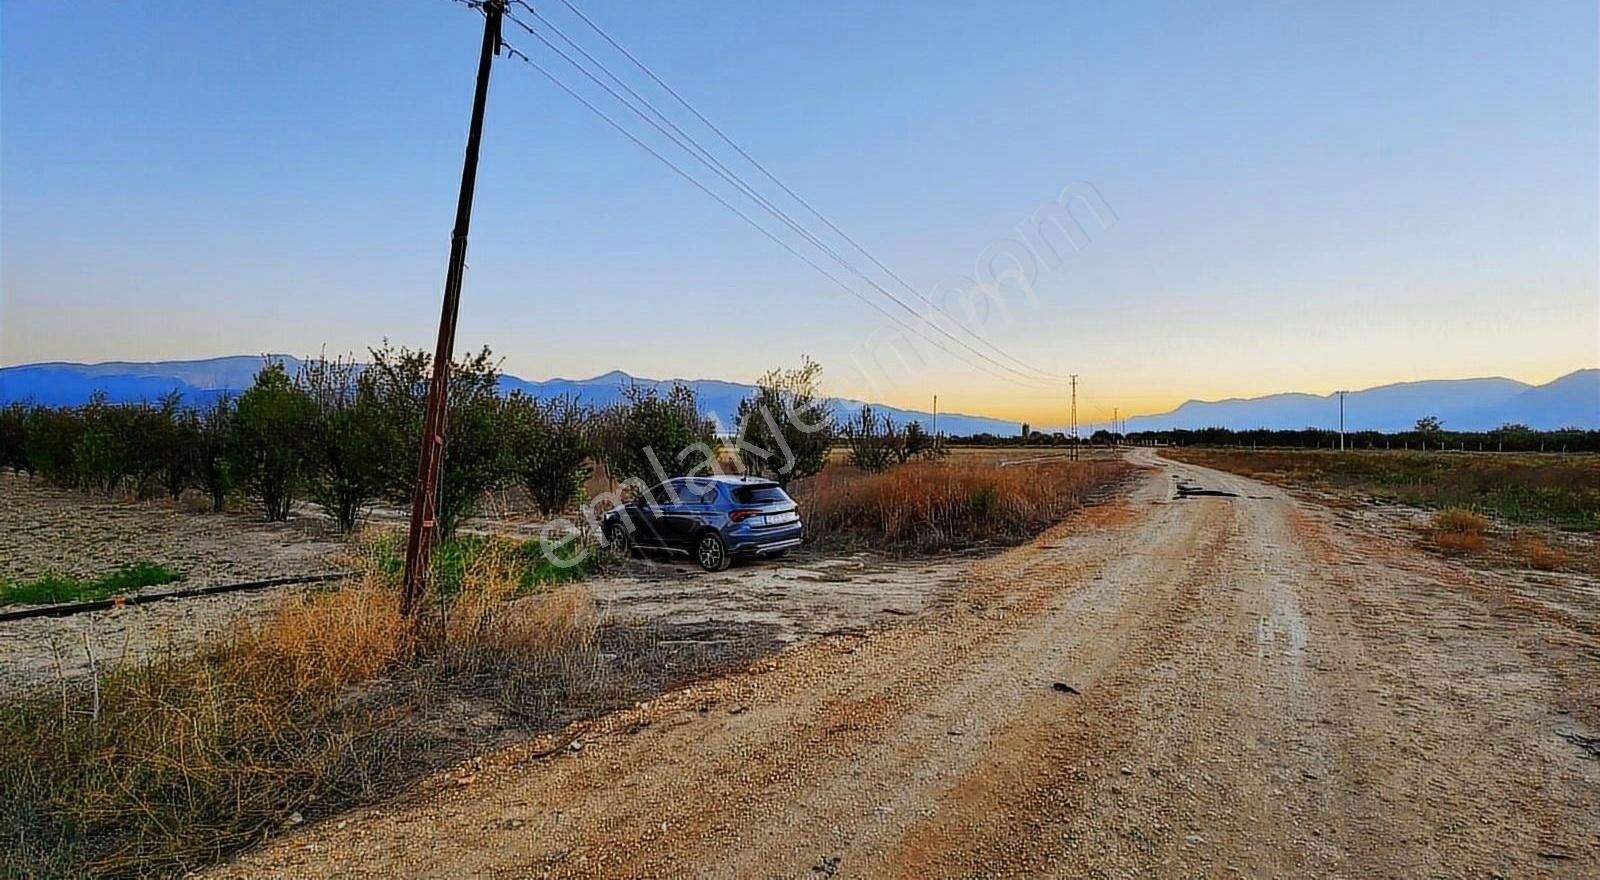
x,y
710,552
619,540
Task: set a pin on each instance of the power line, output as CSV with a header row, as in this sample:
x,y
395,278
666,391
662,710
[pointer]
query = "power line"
x,y
781,185
699,153
742,215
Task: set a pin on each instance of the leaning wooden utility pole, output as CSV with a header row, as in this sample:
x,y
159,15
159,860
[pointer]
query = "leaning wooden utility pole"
x,y
430,462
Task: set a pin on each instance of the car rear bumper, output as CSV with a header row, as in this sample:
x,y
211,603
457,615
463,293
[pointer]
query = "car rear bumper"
x,y
767,542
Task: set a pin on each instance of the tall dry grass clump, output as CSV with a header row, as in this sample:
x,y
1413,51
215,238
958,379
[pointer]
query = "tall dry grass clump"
x,y
933,505
1457,530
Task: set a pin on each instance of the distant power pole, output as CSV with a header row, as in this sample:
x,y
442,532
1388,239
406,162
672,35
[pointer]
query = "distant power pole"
x,y
1074,419
430,461
936,419
1341,418
1116,428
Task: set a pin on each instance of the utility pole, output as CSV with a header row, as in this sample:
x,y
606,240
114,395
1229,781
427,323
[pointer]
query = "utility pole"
x,y
936,420
1116,428
1074,419
1341,418
425,494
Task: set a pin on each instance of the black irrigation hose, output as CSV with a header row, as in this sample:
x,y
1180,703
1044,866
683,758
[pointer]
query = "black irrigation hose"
x,y
69,608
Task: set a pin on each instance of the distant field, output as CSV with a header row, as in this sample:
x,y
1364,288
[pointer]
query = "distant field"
x,y
1562,491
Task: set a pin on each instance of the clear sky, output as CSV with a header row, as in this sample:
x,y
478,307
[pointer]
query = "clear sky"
x,y
1306,196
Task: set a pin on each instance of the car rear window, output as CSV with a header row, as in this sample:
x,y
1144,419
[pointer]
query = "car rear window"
x,y
768,494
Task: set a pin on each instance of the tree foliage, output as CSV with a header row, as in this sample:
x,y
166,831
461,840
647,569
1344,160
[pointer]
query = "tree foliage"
x,y
786,426
648,436
473,444
267,455
548,445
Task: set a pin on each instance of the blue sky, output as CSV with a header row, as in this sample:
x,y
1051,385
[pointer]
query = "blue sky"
x,y
1307,196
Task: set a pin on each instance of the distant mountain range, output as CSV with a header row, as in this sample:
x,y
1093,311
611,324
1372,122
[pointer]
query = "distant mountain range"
x,y
1462,404
68,384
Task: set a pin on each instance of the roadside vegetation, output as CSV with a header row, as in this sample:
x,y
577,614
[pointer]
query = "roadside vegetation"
x,y
929,506
160,767
53,589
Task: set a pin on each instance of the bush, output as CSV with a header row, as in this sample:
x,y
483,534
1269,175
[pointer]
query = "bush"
x,y
1457,531
786,426
1541,555
1459,520
14,437
267,453
210,436
51,443
547,448
647,437
343,455
872,440
931,505
474,462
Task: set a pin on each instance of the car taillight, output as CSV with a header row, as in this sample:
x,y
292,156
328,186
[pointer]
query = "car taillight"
x,y
741,515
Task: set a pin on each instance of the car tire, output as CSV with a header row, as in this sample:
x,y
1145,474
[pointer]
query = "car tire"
x,y
617,541
712,552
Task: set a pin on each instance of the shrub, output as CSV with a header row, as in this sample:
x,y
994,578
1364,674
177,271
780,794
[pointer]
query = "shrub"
x,y
786,425
1457,531
51,443
930,505
14,437
1541,555
871,440
1459,520
647,436
547,448
210,432
267,453
474,462
343,456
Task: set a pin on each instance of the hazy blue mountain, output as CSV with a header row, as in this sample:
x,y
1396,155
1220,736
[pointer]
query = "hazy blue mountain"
x,y
1463,404
66,384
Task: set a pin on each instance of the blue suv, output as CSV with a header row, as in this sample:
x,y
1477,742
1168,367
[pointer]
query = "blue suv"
x,y
713,519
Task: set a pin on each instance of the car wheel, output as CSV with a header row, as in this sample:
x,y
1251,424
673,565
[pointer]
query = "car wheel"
x,y
617,540
711,552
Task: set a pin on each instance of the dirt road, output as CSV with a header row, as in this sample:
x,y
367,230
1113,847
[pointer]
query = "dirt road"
x,y
1172,686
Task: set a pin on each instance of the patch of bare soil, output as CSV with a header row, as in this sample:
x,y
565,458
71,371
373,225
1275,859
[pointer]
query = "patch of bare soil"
x,y
1171,686
45,530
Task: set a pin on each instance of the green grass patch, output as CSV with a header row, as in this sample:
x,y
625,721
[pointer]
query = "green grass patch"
x,y
55,589
454,557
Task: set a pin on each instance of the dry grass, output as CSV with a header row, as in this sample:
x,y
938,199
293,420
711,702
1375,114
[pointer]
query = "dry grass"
x,y
1541,555
1459,520
183,759
1457,531
934,505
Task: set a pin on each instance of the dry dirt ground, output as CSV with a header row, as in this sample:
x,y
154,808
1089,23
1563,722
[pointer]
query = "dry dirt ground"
x,y
44,530
807,595
1228,686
